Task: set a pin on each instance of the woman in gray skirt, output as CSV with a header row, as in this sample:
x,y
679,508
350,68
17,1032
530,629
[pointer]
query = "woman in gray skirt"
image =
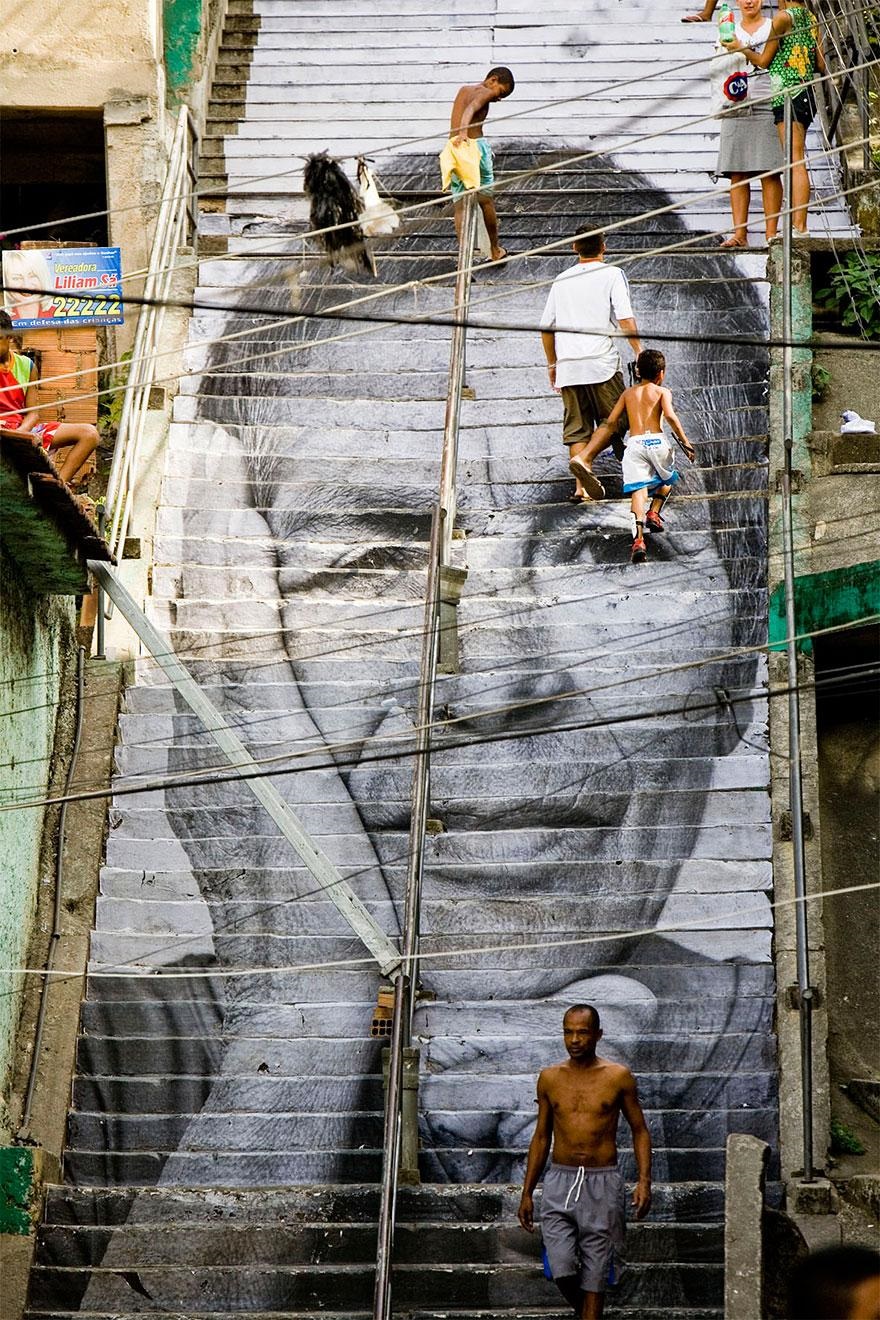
x,y
749,142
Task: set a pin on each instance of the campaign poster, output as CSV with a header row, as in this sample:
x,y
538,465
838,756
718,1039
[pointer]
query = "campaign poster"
x,y
62,287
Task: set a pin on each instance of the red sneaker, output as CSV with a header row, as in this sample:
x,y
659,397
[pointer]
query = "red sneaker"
x,y
639,552
653,522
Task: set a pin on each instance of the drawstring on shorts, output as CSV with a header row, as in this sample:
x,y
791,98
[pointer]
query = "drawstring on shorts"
x,y
577,1186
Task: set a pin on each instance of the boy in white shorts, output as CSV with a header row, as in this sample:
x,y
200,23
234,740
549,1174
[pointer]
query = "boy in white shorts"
x,y
649,456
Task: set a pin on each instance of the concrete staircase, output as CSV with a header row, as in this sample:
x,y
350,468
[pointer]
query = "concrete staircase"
x,y
225,1129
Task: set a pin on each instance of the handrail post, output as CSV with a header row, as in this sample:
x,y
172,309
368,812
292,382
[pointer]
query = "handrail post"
x,y
391,1160
449,461
405,979
795,786
171,226
100,648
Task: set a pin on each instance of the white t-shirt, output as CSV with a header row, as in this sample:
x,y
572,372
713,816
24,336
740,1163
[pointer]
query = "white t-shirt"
x,y
596,297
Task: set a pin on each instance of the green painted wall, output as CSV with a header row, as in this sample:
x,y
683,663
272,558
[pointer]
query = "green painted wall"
x,y
37,643
826,600
17,1189
183,26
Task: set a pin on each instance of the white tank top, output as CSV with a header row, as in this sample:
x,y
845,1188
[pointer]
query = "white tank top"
x,y
734,80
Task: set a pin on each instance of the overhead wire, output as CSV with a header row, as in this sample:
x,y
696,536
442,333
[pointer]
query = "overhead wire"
x,y
253,911
639,255
440,321
146,975
387,291
502,735
385,693
657,929
394,145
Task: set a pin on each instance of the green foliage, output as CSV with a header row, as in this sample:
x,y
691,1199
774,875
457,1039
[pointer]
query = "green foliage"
x,y
821,379
110,405
853,292
844,1141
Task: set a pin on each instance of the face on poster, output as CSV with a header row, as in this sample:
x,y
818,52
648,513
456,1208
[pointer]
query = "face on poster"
x,y
62,287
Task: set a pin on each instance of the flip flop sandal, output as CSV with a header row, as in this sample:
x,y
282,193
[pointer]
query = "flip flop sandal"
x,y
594,487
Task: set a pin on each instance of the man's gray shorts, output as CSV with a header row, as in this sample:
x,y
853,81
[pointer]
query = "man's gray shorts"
x,y
583,1224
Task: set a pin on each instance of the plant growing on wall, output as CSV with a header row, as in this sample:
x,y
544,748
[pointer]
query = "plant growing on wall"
x,y
853,292
110,405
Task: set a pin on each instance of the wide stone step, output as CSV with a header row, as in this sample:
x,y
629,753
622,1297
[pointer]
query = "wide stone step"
x,y
340,1095
347,1243
144,1056
323,612
682,740
568,545
274,1167
482,641
550,973
581,807
699,1201
480,457
451,881
504,1313
226,496
267,693
204,1019
392,676
292,1288
252,1133
672,840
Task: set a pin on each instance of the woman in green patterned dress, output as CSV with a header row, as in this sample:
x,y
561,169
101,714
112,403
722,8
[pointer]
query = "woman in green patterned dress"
x,y
793,54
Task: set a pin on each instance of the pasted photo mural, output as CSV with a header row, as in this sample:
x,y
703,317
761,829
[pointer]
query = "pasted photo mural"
x,y
292,546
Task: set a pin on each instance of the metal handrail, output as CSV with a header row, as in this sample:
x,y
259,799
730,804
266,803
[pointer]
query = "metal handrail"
x,y
795,784
174,224
846,19
405,979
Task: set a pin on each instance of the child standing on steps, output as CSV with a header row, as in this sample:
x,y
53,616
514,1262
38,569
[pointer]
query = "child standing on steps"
x,y
649,457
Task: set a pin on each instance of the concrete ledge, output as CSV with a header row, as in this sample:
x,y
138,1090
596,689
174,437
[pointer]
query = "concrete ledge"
x,y
812,1198
743,1221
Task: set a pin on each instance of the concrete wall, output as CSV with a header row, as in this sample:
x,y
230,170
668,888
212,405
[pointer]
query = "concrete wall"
x,y
70,61
191,31
36,647
73,56
835,527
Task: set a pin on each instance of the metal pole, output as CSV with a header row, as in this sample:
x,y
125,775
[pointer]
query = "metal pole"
x,y
388,1193
795,785
449,462
406,978
100,652
401,1023
421,788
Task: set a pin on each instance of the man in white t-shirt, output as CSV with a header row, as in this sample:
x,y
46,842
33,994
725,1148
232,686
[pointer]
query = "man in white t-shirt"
x,y
586,305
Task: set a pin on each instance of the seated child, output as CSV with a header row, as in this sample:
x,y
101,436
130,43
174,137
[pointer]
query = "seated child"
x,y
649,456
18,376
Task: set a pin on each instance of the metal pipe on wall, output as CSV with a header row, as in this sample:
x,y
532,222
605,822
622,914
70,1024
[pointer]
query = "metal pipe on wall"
x,y
795,785
405,979
449,461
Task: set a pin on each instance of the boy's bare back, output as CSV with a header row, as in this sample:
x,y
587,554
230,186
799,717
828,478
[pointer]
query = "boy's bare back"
x,y
464,97
644,407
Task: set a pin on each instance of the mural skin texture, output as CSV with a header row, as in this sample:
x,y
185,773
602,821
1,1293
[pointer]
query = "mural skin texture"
x,y
589,833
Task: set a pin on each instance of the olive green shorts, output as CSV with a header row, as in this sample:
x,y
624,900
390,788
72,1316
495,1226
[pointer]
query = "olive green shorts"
x,y
585,406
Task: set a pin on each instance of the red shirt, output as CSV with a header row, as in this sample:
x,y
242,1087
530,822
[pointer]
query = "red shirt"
x,y
14,381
